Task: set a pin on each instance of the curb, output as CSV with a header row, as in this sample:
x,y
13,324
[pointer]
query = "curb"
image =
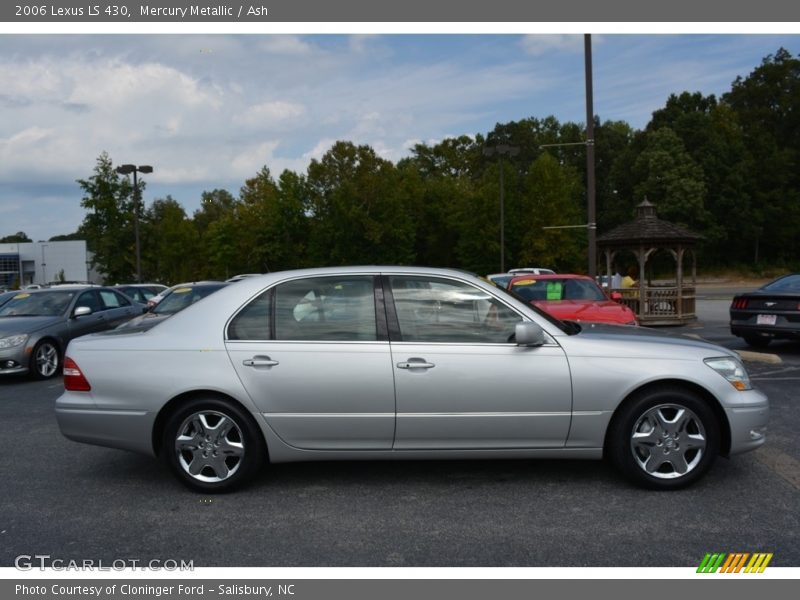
x,y
747,355
762,357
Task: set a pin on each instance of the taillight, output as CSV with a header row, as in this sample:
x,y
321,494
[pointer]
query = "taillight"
x,y
74,381
739,303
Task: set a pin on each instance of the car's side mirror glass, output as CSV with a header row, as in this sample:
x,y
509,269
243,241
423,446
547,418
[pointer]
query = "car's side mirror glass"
x,y
81,311
529,334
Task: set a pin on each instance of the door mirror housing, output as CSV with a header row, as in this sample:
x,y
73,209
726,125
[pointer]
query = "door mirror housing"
x,y
528,333
81,311
616,296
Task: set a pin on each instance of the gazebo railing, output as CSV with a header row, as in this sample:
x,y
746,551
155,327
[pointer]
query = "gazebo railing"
x,y
661,302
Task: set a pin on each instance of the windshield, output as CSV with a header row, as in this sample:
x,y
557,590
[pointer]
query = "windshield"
x,y
182,297
39,304
566,327
790,283
553,290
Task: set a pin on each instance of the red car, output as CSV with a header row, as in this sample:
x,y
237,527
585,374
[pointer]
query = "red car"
x,y
571,298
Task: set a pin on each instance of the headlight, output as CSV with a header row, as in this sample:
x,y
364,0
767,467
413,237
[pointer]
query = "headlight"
x,y
732,370
13,340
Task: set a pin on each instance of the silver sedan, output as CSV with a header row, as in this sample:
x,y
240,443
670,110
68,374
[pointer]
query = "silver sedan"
x,y
36,325
402,363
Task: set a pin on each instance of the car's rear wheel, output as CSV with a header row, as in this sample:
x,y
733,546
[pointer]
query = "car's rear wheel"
x,y
757,341
665,438
213,445
45,360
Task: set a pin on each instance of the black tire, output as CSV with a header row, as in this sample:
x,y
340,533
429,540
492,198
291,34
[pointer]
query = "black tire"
x,y
240,451
45,360
757,341
669,452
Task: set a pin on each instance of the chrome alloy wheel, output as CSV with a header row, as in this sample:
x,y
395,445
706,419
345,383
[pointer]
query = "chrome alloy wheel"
x,y
668,441
46,360
209,446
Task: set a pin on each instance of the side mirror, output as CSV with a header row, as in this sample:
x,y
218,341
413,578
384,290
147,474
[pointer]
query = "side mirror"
x,y
529,334
616,296
81,311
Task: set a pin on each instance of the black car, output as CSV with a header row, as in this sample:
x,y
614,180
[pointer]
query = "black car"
x,y
770,312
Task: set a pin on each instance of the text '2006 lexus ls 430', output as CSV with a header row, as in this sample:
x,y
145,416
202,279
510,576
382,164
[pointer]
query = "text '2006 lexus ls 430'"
x,y
403,363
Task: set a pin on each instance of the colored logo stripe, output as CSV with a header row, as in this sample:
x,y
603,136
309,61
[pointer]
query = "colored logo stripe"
x,y
734,562
758,563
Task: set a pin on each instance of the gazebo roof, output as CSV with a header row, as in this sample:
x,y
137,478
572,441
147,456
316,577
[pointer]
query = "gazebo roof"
x,y
647,228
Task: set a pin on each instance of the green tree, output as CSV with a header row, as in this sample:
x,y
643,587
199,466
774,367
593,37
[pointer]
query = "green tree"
x,y
66,237
18,238
712,136
552,198
169,243
107,226
767,107
357,209
267,220
666,175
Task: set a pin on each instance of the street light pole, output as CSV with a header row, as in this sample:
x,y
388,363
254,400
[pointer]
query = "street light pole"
x,y
590,183
501,150
126,170
44,265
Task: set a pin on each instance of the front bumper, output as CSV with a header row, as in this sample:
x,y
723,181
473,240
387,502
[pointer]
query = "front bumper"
x,y
748,421
14,360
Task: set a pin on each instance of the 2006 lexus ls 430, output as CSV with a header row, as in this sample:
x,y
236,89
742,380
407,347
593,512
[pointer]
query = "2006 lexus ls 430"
x,y
402,363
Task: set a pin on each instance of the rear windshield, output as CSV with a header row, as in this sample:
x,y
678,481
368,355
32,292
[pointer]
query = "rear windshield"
x,y
182,297
790,283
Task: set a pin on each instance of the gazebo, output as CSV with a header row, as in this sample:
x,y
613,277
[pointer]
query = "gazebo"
x,y
662,302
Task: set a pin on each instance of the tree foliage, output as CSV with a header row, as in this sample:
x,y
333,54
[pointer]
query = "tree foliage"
x,y
17,238
727,167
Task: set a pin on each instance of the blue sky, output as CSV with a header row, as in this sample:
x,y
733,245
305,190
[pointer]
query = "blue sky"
x,y
207,111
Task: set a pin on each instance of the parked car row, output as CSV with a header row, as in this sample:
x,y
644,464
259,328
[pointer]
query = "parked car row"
x,y
36,325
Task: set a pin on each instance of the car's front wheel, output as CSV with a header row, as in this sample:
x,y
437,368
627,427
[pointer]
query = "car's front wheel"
x,y
665,438
213,445
45,360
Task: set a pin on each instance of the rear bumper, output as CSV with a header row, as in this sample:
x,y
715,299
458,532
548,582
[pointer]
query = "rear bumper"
x,y
81,421
747,326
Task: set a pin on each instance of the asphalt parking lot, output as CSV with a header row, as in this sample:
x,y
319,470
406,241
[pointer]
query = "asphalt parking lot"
x,y
76,502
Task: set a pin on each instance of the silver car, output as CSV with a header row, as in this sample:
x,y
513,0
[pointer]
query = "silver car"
x,y
37,325
402,363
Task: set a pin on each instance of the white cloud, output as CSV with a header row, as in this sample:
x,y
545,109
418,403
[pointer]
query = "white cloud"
x,y
360,43
540,44
285,45
268,113
248,161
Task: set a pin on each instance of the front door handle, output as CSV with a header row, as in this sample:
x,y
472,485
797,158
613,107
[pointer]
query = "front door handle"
x,y
260,361
415,363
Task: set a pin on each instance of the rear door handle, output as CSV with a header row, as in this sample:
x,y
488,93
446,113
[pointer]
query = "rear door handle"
x,y
260,361
415,363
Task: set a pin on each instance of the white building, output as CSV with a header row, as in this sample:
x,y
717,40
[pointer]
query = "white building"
x,y
43,262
